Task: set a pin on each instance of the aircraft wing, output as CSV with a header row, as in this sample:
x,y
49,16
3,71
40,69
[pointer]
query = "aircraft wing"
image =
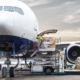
x,y
63,45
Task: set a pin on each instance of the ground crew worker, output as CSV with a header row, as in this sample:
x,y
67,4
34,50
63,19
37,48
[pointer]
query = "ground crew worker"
x,y
30,64
65,64
40,39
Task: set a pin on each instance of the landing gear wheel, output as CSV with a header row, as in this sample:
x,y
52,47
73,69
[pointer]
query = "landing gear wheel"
x,y
4,72
48,71
0,66
11,71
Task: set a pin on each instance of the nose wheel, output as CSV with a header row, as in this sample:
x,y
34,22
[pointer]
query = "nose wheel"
x,y
4,72
9,48
7,71
11,72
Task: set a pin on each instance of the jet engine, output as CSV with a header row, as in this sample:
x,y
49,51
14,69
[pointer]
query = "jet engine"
x,y
72,52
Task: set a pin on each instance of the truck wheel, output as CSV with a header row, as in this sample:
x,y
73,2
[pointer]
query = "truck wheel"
x,y
11,71
4,72
48,70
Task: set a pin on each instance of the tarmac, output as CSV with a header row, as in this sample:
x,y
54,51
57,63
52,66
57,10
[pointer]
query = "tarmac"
x,y
43,77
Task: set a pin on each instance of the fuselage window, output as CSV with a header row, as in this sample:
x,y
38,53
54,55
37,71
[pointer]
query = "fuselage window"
x,y
1,8
19,10
8,8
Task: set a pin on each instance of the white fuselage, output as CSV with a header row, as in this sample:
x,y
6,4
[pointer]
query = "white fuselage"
x,y
19,27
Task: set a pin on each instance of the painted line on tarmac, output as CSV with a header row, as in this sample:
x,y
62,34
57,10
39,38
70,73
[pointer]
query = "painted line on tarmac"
x,y
4,79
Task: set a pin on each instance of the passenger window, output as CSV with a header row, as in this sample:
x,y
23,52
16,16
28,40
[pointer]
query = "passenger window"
x,y
8,8
1,8
19,10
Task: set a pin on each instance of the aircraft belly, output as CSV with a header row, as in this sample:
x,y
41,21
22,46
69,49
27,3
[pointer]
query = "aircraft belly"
x,y
20,37
18,41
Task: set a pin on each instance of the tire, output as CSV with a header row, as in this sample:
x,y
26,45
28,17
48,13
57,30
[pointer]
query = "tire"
x,y
48,70
4,72
0,66
11,71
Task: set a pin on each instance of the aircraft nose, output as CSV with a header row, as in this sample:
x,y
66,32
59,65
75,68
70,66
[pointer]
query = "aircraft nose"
x,y
6,24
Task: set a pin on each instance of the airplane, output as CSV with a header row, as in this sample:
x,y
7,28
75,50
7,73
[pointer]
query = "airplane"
x,y
18,30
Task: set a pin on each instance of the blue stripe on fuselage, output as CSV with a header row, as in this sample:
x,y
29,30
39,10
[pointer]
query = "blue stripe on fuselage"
x,y
18,41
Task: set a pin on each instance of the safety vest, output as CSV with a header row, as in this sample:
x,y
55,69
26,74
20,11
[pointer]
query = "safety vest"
x,y
40,38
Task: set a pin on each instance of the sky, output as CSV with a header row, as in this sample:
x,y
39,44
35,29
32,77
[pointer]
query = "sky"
x,y
63,15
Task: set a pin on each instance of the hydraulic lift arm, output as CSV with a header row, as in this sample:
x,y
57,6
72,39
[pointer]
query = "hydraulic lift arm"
x,y
48,32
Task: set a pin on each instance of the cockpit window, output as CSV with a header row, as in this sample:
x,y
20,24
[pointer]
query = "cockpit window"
x,y
12,9
8,8
1,8
19,10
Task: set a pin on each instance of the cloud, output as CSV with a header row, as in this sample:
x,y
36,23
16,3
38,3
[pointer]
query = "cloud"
x,y
52,16
32,3
73,18
63,15
67,35
59,5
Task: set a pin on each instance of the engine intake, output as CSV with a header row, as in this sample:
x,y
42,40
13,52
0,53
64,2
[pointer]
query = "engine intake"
x,y
72,52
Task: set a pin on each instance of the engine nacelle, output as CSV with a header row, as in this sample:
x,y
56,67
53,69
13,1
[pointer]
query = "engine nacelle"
x,y
72,52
